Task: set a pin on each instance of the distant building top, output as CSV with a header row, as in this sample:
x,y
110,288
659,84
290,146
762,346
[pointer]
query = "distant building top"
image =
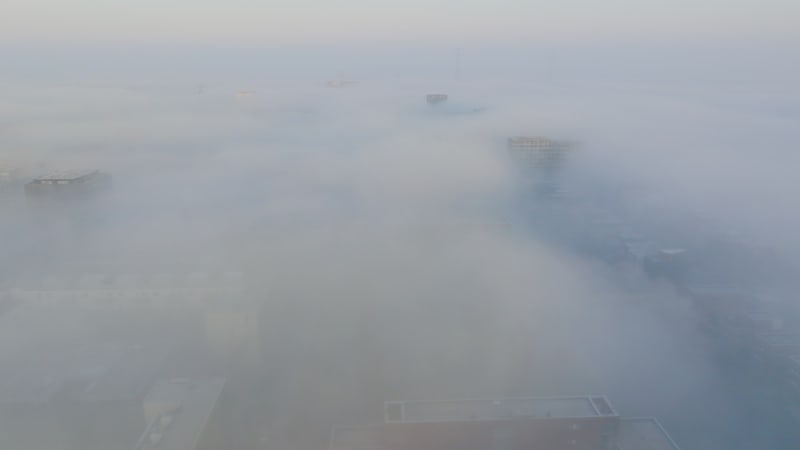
x,y
644,433
538,152
66,177
178,412
500,409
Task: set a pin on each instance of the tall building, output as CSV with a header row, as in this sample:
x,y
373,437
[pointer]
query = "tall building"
x,y
183,414
539,154
539,161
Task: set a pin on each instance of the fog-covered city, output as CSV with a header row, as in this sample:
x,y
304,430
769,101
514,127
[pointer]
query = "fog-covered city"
x,y
445,247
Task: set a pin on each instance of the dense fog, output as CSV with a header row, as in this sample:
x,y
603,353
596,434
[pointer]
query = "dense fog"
x,y
392,250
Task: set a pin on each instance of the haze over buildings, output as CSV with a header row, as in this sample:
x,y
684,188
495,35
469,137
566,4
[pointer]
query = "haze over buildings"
x,y
515,205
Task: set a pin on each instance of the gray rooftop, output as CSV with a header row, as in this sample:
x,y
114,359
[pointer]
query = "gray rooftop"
x,y
180,427
643,434
499,409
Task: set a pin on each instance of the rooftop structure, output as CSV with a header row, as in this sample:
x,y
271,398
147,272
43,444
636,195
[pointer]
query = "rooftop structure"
x,y
66,177
502,409
65,185
556,423
181,415
644,433
582,423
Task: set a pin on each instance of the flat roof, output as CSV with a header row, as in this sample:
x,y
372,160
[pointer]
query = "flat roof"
x,y
498,409
181,427
643,433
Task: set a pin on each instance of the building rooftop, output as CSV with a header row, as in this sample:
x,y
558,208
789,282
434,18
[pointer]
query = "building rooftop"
x,y
65,176
500,409
643,434
182,410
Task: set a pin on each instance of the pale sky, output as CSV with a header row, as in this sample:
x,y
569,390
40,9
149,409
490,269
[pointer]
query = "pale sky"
x,y
304,22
